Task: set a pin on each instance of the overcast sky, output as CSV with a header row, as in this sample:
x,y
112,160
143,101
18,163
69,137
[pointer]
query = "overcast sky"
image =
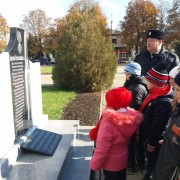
x,y
13,10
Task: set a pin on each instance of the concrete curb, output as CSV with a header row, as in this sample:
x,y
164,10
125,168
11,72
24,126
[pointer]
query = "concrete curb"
x,y
10,158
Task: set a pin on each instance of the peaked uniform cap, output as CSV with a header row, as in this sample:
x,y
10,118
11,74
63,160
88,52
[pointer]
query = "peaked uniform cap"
x,y
157,34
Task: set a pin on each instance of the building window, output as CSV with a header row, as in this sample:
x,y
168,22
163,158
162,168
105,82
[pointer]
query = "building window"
x,y
114,41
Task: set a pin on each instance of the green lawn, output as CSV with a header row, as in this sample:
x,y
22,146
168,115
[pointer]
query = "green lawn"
x,y
46,69
54,100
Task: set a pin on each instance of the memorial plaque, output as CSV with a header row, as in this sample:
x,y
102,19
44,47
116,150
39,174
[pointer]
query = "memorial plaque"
x,y
42,141
18,68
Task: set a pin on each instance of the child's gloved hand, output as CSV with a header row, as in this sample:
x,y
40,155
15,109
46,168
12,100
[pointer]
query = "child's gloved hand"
x,y
93,134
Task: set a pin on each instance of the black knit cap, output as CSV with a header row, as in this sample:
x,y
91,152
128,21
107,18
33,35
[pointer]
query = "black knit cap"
x,y
177,79
157,34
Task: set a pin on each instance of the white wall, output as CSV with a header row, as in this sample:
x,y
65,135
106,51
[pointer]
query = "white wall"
x,y
38,118
7,133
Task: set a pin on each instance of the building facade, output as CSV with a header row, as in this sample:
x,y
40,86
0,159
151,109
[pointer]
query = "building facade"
x,y
120,48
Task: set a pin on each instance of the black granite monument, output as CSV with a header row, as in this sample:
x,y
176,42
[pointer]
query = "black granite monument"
x,y
19,79
40,140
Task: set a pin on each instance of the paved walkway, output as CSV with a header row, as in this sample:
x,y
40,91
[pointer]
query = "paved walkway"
x,y
46,79
76,166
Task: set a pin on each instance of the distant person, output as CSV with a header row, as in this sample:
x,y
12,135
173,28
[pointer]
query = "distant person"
x,y
168,164
156,54
137,85
118,122
157,109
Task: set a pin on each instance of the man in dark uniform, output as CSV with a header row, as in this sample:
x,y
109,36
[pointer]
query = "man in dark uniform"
x,y
156,54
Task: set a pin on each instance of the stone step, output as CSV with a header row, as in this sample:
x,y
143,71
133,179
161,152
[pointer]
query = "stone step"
x,y
34,166
76,165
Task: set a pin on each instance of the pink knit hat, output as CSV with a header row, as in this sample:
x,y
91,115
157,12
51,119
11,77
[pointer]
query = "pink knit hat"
x,y
118,98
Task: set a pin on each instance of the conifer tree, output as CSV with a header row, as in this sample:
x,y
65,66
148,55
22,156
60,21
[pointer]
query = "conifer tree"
x,y
85,60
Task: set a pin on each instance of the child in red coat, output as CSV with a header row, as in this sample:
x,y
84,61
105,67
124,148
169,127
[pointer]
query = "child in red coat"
x,y
116,125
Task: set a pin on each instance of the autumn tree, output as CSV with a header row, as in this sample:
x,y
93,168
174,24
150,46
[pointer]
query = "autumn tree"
x,y
53,35
173,26
37,26
140,17
85,59
4,30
